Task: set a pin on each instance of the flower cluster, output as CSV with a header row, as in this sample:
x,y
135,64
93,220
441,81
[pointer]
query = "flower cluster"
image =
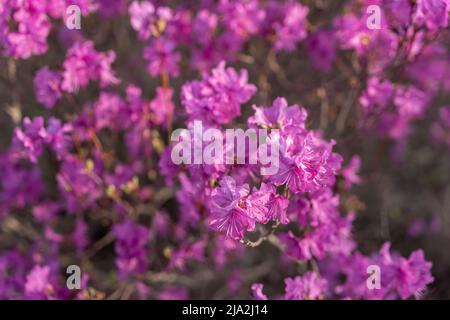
x,y
88,177
217,98
25,25
402,45
130,247
214,33
82,65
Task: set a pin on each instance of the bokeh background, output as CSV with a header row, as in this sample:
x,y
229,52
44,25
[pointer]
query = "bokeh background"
x,y
404,196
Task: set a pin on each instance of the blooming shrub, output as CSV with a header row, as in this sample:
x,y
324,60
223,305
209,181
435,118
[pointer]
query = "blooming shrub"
x,y
88,176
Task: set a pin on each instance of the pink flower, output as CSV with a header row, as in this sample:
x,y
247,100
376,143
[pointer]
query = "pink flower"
x,y
173,293
32,28
242,17
407,276
162,57
109,111
187,253
229,210
218,96
147,20
292,27
310,167
321,48
265,204
31,140
411,101
349,173
162,106
131,240
257,291
307,287
434,13
83,64
378,95
38,284
47,85
289,119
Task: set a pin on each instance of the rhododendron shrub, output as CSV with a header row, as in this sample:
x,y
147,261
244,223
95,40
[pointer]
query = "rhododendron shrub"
x,y
357,119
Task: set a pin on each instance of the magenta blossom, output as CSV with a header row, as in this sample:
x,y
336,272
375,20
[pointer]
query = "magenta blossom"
x,y
47,85
229,210
218,96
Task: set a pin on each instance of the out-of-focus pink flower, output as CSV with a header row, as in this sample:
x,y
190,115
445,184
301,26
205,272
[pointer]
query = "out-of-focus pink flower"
x,y
228,209
47,85
172,293
218,96
292,27
307,287
432,13
38,284
321,48
32,27
162,57
257,291
312,168
148,20
131,240
162,106
288,119
83,64
349,173
242,17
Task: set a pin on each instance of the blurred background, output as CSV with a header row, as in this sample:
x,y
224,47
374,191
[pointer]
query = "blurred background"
x,y
404,196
